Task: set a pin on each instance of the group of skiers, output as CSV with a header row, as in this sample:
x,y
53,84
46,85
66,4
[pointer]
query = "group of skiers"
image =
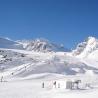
x,y
55,84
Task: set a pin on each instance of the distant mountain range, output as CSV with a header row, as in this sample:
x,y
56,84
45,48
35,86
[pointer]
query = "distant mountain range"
x,y
27,57
82,50
38,45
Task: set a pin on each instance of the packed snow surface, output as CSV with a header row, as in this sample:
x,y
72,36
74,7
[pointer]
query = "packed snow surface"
x,y
32,88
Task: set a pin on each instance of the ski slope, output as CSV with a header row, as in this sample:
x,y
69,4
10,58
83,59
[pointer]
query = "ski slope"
x,y
32,87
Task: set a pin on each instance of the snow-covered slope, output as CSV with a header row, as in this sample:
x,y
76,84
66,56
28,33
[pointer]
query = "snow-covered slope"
x,y
87,47
22,63
87,51
27,70
41,60
7,43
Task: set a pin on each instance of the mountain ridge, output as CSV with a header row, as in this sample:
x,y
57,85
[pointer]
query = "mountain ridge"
x,y
38,45
22,62
86,47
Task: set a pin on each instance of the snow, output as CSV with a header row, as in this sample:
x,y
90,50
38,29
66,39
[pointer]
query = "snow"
x,y
41,62
22,72
7,43
28,88
85,48
41,45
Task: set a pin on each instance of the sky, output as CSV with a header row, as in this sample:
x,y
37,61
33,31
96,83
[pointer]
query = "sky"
x,y
65,22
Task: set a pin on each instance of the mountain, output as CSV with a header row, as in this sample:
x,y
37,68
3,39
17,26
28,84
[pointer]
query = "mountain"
x,y
38,45
42,45
85,48
35,57
29,64
7,43
22,63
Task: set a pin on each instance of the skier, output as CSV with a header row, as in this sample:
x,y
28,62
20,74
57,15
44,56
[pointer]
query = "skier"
x,y
54,84
77,83
58,85
25,68
12,73
2,79
43,85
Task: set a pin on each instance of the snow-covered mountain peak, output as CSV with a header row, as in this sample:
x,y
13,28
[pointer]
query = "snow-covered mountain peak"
x,y
43,45
92,40
85,48
41,40
92,43
38,45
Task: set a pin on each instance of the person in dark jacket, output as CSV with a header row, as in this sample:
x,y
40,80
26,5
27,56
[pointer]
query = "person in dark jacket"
x,y
43,85
54,84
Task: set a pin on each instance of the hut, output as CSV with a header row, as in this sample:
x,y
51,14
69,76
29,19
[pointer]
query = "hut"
x,y
73,84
